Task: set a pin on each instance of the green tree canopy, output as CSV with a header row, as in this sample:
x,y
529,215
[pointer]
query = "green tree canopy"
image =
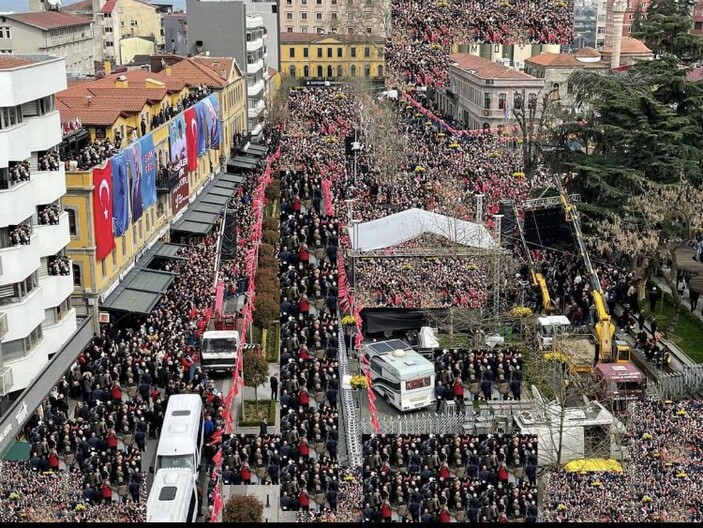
x,y
666,29
243,509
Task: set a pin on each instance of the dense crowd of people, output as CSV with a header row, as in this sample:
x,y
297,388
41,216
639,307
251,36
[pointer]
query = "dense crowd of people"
x,y
50,161
423,32
92,155
20,235
60,265
661,483
439,478
251,459
19,172
49,214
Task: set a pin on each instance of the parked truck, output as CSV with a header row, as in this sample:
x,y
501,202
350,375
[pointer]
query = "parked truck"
x,y
556,341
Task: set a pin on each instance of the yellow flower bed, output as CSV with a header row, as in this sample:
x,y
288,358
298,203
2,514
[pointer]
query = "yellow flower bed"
x,y
348,320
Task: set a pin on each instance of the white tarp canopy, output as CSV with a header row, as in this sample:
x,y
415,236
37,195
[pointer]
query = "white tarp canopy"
x,y
426,338
411,223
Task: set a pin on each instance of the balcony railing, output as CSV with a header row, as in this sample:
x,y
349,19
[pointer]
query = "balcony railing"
x,y
20,235
59,266
49,215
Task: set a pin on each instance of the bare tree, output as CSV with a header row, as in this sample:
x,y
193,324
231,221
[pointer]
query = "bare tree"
x,y
277,101
360,16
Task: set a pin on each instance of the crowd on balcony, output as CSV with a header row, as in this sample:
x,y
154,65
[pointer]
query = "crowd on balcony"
x,y
444,478
19,172
420,282
663,480
49,214
50,161
424,32
60,266
92,155
20,235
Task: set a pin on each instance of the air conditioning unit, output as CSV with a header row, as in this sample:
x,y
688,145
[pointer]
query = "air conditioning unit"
x,y
5,381
3,324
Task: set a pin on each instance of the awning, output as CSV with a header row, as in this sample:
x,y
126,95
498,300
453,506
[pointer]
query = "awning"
x,y
193,228
236,179
203,212
206,207
247,159
235,164
139,291
214,199
160,250
256,150
18,451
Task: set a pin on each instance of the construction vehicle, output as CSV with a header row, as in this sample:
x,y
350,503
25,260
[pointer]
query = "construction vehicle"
x,y
538,280
558,343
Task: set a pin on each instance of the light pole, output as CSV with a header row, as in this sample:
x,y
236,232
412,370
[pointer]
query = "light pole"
x,y
498,255
479,208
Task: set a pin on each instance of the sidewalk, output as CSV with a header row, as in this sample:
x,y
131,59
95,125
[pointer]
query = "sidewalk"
x,y
247,393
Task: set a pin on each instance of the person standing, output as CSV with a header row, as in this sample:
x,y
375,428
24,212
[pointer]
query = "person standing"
x,y
694,299
439,394
263,427
641,320
274,387
653,297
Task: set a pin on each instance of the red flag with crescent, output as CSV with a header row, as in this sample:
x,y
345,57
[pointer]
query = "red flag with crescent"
x,y
102,210
191,119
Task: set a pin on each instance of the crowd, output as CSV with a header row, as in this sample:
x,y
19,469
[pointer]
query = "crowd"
x,y
663,479
420,282
49,214
195,94
251,459
50,161
424,32
19,172
92,155
60,266
439,478
20,234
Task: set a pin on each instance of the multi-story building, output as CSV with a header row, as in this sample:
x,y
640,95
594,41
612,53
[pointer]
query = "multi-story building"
x,y
350,17
331,57
698,18
228,29
120,19
630,7
482,94
175,33
601,19
124,108
50,32
512,55
268,11
36,280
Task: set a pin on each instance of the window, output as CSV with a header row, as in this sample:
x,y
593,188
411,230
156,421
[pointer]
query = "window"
x,y
318,2
339,53
103,267
487,100
318,16
5,32
367,52
72,226
20,348
77,278
367,70
291,53
306,71
289,2
329,71
368,31
291,71
517,101
11,116
320,30
380,70
532,101
353,53
319,72
304,2
289,29
350,31
352,70
304,16
350,17
13,293
306,52
334,2
334,17
319,53
289,16
340,71
501,100
303,29
698,25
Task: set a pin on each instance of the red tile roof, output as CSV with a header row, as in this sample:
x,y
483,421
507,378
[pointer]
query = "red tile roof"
x,y
486,69
89,117
50,19
138,77
83,5
310,38
8,63
203,70
555,60
629,46
109,6
151,94
127,103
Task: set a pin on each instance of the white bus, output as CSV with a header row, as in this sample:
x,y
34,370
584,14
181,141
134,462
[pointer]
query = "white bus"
x,y
401,375
181,439
173,497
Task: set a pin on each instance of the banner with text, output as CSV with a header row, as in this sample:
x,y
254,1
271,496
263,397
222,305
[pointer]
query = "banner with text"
x,y
179,163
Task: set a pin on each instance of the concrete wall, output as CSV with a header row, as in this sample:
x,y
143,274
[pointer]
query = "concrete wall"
x,y
220,26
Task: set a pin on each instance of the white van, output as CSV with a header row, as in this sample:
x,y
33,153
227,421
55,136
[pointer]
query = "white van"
x,y
181,439
218,350
173,497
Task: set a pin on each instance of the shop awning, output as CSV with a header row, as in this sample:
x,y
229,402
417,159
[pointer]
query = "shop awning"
x,y
206,207
256,150
139,291
235,179
170,251
193,228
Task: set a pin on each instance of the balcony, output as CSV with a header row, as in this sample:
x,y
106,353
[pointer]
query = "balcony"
x,y
25,315
254,22
17,203
44,131
255,67
57,288
255,110
255,44
255,89
19,261
57,334
15,143
48,186
52,238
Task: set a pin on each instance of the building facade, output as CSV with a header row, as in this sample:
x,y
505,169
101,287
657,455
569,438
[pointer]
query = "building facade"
x,y
175,33
698,18
50,32
268,11
512,55
482,94
348,17
309,56
36,281
631,7
124,109
232,29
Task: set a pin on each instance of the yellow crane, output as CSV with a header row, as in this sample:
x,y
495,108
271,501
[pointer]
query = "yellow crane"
x,y
538,280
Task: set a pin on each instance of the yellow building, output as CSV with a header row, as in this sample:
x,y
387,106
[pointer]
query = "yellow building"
x,y
132,46
127,105
311,56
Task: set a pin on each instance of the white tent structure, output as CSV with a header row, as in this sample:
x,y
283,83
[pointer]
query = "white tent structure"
x,y
411,223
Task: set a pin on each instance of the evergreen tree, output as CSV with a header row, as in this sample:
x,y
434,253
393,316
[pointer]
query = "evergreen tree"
x,y
666,29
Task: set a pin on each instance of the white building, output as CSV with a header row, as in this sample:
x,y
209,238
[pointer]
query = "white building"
x,y
35,284
257,72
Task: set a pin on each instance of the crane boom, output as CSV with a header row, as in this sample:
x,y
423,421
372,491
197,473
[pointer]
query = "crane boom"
x,y
604,328
538,279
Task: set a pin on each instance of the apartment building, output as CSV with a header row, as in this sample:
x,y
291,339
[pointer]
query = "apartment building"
x,y
36,280
50,32
513,55
482,94
349,17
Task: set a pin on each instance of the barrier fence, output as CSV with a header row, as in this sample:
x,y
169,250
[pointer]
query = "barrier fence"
x,y
685,384
351,420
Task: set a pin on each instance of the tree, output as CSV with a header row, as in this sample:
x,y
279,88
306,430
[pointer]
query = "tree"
x,y
277,111
666,29
243,509
362,15
255,371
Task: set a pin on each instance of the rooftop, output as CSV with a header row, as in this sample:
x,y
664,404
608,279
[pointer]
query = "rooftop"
x,y
555,60
19,60
629,46
9,62
309,38
50,19
486,69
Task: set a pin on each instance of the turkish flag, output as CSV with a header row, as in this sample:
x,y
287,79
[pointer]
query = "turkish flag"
x,y
191,119
102,210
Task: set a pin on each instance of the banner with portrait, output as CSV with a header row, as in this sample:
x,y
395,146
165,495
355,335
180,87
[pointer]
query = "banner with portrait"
x,y
201,112
179,163
149,168
212,115
135,172
120,195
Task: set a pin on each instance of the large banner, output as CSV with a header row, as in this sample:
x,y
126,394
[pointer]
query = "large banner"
x,y
212,116
120,195
149,175
102,210
201,112
191,119
179,161
135,172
